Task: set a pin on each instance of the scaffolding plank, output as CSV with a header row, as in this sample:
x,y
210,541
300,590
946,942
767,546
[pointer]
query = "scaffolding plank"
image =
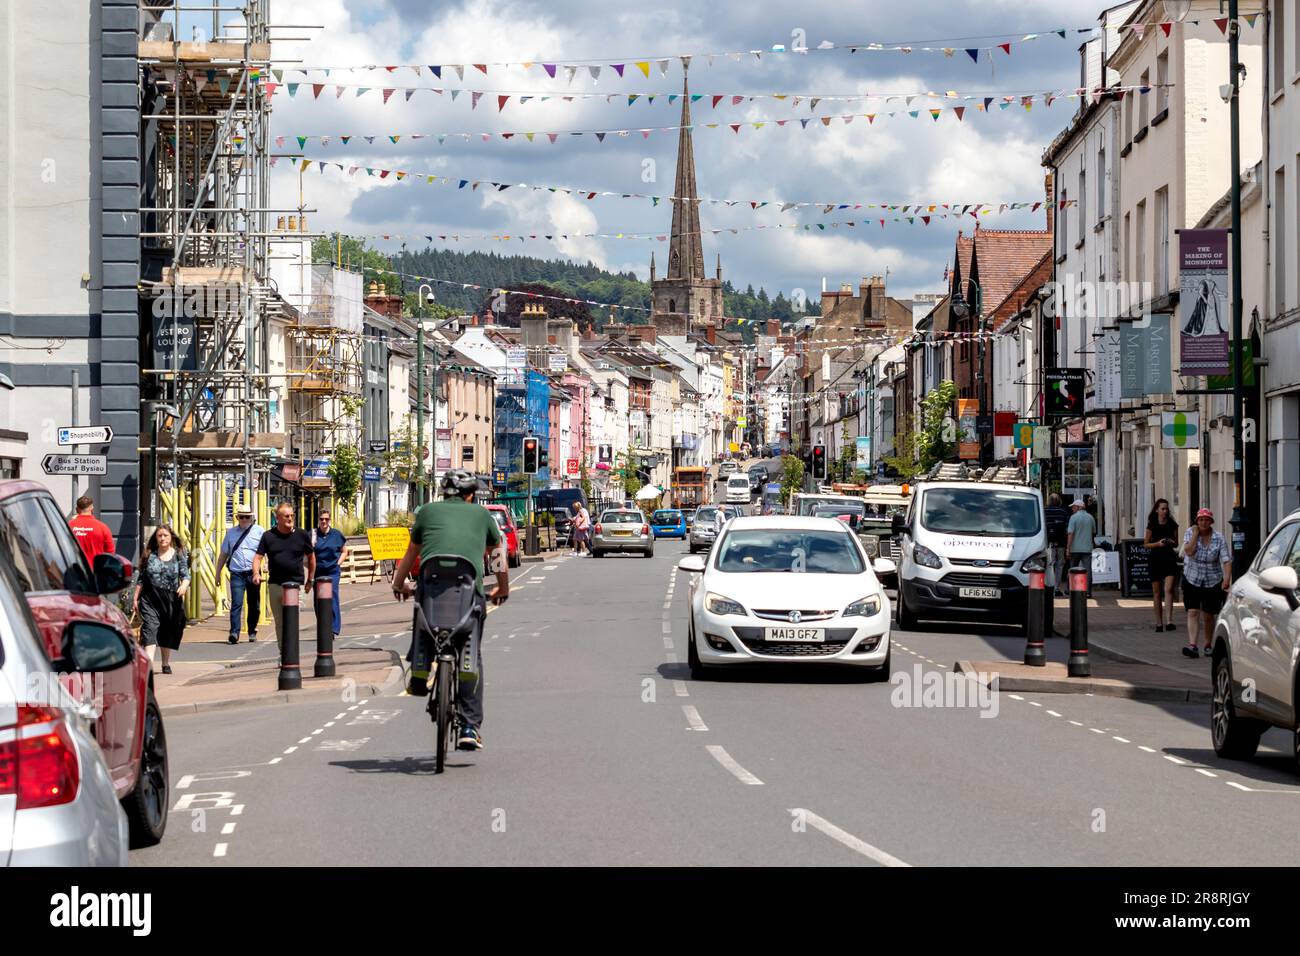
x,y
203,52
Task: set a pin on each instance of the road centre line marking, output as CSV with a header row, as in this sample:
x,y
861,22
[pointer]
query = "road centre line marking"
x,y
848,839
740,773
693,717
340,716
679,688
1076,723
1123,740
275,760
1149,750
1233,783
1034,703
237,810
219,849
228,829
304,740
1204,772
290,750
668,643
1173,759
1096,731
668,627
318,730
1054,713
1015,696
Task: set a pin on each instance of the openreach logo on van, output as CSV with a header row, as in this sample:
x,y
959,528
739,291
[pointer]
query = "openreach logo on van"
x,y
936,689
77,909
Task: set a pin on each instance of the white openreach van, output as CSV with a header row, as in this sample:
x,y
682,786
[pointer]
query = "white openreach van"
x,y
965,549
738,490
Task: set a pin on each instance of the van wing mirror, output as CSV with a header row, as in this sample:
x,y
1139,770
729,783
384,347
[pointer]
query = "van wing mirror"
x,y
898,525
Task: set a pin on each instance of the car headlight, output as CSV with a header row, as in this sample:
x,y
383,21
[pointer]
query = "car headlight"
x,y
1035,562
717,604
864,607
925,557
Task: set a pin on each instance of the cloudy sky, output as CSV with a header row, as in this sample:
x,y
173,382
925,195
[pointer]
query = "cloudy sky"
x,y
991,158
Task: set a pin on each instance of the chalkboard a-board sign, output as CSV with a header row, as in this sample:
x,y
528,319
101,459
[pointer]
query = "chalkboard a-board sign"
x,y
1136,567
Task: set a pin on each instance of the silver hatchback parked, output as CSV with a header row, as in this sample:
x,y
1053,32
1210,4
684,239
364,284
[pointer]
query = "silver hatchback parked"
x,y
622,530
1256,681
57,802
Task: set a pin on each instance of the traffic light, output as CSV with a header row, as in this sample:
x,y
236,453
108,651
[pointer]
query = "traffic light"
x,y
544,458
531,455
819,461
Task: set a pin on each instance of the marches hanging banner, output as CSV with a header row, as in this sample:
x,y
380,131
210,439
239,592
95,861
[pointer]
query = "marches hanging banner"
x,y
1203,301
1144,358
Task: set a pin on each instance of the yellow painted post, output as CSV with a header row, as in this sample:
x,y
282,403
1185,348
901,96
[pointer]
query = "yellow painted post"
x,y
263,511
192,603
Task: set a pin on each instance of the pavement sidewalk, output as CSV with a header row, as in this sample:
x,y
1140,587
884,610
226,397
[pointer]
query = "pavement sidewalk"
x,y
199,686
1128,658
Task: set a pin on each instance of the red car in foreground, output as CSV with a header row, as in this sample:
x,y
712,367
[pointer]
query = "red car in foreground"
x,y
61,587
506,522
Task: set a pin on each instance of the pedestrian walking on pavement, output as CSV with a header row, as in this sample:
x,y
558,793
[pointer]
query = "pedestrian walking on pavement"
x,y
1207,576
92,534
581,529
284,558
160,585
1057,519
238,548
1080,536
1162,541
330,547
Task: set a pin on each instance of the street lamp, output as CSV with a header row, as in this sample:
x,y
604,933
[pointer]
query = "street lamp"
x,y
425,294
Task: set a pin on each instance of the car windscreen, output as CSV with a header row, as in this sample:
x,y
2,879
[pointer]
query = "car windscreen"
x,y
847,508
737,481
981,511
705,515
622,517
502,521
788,549
667,517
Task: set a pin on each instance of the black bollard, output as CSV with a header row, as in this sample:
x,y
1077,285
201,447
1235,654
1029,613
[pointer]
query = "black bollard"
x,y
324,628
531,545
290,674
1078,665
1035,653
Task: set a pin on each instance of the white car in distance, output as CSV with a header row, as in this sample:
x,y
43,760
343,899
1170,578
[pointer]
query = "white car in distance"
x,y
790,590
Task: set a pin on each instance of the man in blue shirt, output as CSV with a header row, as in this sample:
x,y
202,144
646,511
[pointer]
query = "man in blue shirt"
x,y
330,546
237,550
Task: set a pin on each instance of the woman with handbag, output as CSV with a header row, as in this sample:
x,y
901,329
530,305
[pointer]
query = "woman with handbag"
x,y
160,585
1161,540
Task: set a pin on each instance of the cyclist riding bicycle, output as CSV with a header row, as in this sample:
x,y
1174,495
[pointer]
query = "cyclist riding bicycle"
x,y
456,525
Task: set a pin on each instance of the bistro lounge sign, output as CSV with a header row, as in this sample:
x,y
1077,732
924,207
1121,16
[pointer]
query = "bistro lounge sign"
x,y
1203,301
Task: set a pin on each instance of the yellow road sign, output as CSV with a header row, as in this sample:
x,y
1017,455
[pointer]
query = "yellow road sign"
x,y
388,544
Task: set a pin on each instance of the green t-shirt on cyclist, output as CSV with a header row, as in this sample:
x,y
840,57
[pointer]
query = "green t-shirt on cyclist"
x,y
456,526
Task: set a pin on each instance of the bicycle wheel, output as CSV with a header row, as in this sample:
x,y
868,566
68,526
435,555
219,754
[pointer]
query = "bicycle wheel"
x,y
443,690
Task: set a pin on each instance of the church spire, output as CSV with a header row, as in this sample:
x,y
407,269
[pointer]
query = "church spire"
x,y
686,250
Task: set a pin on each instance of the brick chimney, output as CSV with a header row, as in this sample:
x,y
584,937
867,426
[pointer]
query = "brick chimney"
x,y
873,296
773,327
382,302
711,333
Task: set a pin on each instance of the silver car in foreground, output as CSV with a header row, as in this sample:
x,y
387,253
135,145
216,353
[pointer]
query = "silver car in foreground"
x,y
57,803
1256,663
622,530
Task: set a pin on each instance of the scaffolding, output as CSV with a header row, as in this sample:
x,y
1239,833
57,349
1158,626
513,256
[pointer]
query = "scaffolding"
x,y
208,302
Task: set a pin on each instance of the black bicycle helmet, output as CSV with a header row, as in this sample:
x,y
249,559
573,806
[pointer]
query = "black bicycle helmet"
x,y
458,481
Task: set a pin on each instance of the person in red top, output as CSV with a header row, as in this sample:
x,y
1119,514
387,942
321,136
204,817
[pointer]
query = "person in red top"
x,y
91,533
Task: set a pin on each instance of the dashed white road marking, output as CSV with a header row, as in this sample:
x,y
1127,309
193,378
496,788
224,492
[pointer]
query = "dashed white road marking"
x,y
290,750
1015,696
318,730
1177,760
228,829
275,760
304,740
740,773
1054,713
679,688
329,723
668,643
237,810
1096,731
1204,773
1149,750
1076,723
668,627
1123,740
847,839
1034,703
219,849
693,717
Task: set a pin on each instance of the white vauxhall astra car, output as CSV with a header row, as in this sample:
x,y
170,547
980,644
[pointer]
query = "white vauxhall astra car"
x,y
787,589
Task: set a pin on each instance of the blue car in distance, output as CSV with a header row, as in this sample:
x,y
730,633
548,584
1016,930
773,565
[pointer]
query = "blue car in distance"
x,y
668,523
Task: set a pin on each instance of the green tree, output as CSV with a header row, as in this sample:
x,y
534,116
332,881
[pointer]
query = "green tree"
x,y
917,452
345,472
791,476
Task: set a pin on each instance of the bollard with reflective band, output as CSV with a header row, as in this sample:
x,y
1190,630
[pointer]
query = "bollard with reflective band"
x,y
290,674
1078,665
1035,653
324,628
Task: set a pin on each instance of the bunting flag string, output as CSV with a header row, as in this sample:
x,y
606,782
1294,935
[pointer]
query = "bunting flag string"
x,y
552,136
570,68
503,98
826,206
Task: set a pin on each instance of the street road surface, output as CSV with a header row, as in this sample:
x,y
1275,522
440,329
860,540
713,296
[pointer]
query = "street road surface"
x,y
600,749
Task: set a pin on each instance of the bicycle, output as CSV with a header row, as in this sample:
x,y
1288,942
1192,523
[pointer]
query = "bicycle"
x,y
450,615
